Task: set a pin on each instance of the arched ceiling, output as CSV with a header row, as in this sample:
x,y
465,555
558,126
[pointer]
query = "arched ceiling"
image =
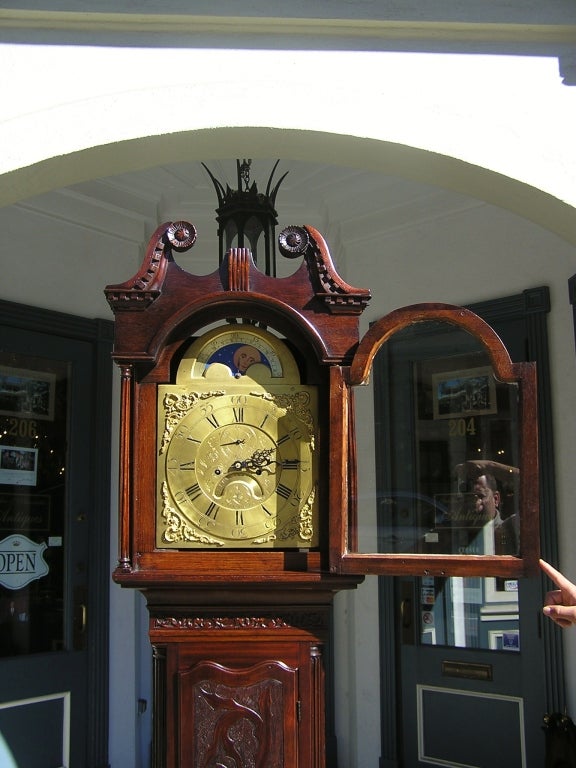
x,y
122,164
353,208
383,229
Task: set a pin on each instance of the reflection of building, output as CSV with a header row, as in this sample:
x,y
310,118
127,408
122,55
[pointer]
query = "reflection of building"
x,y
463,396
471,613
24,396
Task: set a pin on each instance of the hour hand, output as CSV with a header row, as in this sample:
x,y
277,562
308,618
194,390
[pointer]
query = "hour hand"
x,y
258,462
261,458
261,461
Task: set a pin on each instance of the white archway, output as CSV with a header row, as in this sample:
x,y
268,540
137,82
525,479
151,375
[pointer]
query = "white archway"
x,y
366,154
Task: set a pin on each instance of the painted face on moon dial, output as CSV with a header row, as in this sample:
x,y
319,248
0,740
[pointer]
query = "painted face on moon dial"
x,y
244,350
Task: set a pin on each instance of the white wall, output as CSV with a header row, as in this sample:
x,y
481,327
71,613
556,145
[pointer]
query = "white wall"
x,y
509,114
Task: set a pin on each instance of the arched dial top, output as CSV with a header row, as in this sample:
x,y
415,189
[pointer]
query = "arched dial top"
x,y
237,465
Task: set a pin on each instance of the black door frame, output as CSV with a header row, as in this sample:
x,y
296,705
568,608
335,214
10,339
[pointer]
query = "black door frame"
x,y
529,308
99,333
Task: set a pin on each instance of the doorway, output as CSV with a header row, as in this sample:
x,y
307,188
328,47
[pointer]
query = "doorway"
x,y
55,398
465,660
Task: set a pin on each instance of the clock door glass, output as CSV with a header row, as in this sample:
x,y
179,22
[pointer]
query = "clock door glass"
x,y
455,449
449,447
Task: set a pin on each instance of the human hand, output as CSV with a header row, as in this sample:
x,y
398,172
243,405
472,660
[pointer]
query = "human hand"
x,y
559,604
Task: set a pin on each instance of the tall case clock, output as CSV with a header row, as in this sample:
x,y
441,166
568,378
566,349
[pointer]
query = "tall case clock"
x,y
227,435
239,513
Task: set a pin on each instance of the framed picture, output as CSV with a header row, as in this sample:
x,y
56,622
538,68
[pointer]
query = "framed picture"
x,y
27,394
469,392
18,466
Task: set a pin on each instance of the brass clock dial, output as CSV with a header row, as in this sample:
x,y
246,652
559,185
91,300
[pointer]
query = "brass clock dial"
x,y
237,464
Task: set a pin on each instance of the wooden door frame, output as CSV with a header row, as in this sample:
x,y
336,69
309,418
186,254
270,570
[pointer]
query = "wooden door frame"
x,y
98,333
530,307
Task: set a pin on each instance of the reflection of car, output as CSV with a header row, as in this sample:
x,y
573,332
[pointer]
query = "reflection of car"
x,y
407,520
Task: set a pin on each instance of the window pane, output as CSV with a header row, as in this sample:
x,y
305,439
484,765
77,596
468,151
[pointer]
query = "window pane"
x,y
33,445
470,612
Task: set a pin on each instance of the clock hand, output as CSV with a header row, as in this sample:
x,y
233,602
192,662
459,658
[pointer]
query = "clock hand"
x,y
284,464
258,462
240,441
262,457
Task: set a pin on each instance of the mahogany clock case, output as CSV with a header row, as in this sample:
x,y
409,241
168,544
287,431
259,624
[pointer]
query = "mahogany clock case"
x,y
160,312
313,317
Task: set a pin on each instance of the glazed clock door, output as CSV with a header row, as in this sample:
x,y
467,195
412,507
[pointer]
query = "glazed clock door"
x,y
49,641
470,666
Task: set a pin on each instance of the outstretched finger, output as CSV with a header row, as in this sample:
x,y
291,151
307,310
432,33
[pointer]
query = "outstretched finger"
x,y
558,578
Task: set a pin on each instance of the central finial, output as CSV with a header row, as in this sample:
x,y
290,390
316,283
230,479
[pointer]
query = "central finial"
x,y
245,214
245,174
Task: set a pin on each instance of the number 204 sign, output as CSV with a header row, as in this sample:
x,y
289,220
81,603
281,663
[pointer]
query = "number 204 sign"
x,y
21,561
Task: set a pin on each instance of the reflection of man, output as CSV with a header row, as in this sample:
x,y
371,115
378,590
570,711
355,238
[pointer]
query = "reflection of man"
x,y
245,356
485,480
487,500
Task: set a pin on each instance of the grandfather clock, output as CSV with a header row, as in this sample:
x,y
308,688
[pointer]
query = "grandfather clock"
x,y
239,518
227,434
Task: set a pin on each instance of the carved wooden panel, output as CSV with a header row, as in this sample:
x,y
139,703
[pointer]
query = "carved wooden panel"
x,y
238,718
